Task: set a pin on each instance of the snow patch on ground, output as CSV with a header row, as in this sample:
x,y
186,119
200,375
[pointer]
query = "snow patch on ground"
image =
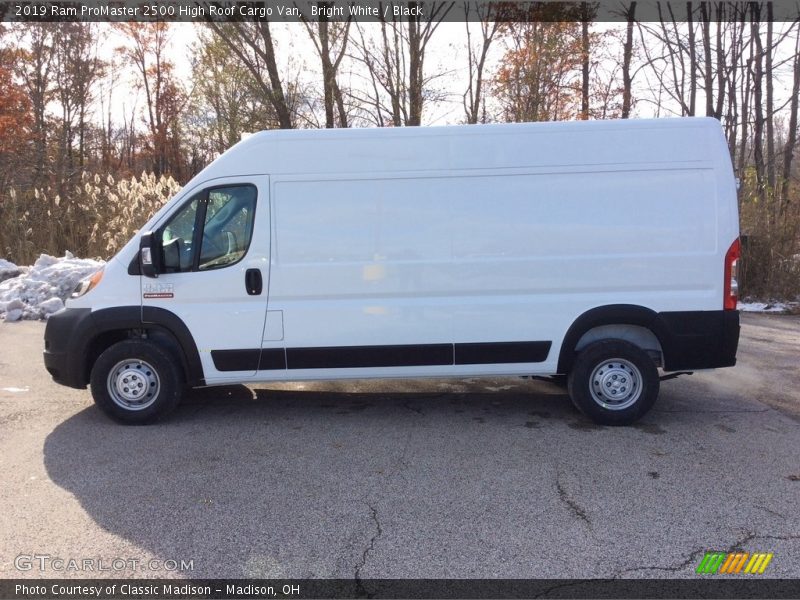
x,y
37,292
776,307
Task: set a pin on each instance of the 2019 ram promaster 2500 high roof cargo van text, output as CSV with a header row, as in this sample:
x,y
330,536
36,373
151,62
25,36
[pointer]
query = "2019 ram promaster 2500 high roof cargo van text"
x,y
599,251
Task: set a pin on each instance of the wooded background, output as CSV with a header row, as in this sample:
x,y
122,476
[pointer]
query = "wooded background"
x,y
98,128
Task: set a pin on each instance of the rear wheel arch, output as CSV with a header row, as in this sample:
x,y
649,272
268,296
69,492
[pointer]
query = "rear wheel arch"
x,y
637,335
631,322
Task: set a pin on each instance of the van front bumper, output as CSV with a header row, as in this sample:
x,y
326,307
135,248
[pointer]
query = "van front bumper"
x,y
65,338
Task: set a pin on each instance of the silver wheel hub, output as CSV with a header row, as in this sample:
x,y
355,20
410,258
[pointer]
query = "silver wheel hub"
x,y
133,384
615,384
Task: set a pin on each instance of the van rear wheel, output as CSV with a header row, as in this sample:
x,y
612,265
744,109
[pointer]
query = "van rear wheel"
x,y
613,382
136,381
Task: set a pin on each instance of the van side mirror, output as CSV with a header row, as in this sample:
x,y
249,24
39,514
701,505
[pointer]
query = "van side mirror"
x,y
149,255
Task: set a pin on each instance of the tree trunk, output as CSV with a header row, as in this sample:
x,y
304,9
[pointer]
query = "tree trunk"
x,y
415,58
721,62
473,97
257,37
758,82
276,86
770,158
708,76
584,61
791,134
747,76
328,76
630,16
692,61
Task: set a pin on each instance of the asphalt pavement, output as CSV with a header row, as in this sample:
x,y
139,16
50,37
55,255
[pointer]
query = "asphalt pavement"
x,y
403,479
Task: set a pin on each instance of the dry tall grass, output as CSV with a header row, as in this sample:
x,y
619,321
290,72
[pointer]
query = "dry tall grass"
x,y
770,234
770,265
95,219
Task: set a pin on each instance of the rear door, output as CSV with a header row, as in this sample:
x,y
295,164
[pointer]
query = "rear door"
x,y
216,248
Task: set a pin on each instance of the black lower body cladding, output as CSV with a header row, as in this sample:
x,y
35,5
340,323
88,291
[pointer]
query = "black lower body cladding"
x,y
689,339
348,357
65,338
694,339
69,338
698,339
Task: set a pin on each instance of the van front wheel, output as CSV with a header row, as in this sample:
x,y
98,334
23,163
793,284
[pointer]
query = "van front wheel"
x,y
136,382
613,382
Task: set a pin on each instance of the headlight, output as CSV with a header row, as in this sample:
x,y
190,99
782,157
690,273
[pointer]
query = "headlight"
x,y
88,284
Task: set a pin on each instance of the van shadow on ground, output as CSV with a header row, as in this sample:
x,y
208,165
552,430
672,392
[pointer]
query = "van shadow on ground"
x,y
283,482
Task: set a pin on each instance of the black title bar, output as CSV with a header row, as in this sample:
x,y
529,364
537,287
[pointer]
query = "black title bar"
x,y
704,586
395,10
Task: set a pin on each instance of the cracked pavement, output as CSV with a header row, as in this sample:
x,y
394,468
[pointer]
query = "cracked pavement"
x,y
419,478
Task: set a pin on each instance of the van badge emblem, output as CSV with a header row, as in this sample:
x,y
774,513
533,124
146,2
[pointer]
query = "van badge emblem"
x,y
157,290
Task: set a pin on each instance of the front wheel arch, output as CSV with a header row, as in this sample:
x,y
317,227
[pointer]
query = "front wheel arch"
x,y
115,324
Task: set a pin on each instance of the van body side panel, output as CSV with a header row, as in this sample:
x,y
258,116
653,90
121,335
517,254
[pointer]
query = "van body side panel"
x,y
361,262
484,257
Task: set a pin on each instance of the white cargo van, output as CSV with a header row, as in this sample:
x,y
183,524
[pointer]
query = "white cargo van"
x,y
591,251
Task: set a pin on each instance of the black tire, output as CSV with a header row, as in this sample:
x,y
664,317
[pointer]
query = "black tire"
x,y
147,366
623,389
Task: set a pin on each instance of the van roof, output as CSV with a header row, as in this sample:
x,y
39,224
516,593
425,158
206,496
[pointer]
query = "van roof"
x,y
483,128
499,145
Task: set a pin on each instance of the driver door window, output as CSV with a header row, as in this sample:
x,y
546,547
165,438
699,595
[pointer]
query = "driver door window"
x,y
228,226
213,230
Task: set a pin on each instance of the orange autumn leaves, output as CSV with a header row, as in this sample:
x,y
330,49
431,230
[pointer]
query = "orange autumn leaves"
x,y
539,78
15,113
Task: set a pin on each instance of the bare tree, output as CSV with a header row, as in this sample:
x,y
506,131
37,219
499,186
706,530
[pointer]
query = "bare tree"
x,y
35,69
476,57
627,54
253,44
77,67
330,40
692,59
758,106
674,64
584,62
770,98
791,136
395,63
227,100
148,49
708,61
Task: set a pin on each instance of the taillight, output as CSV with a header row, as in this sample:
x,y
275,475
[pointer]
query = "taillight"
x,y
731,291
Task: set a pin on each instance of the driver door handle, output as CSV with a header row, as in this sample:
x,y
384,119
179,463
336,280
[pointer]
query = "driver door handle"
x,y
253,282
